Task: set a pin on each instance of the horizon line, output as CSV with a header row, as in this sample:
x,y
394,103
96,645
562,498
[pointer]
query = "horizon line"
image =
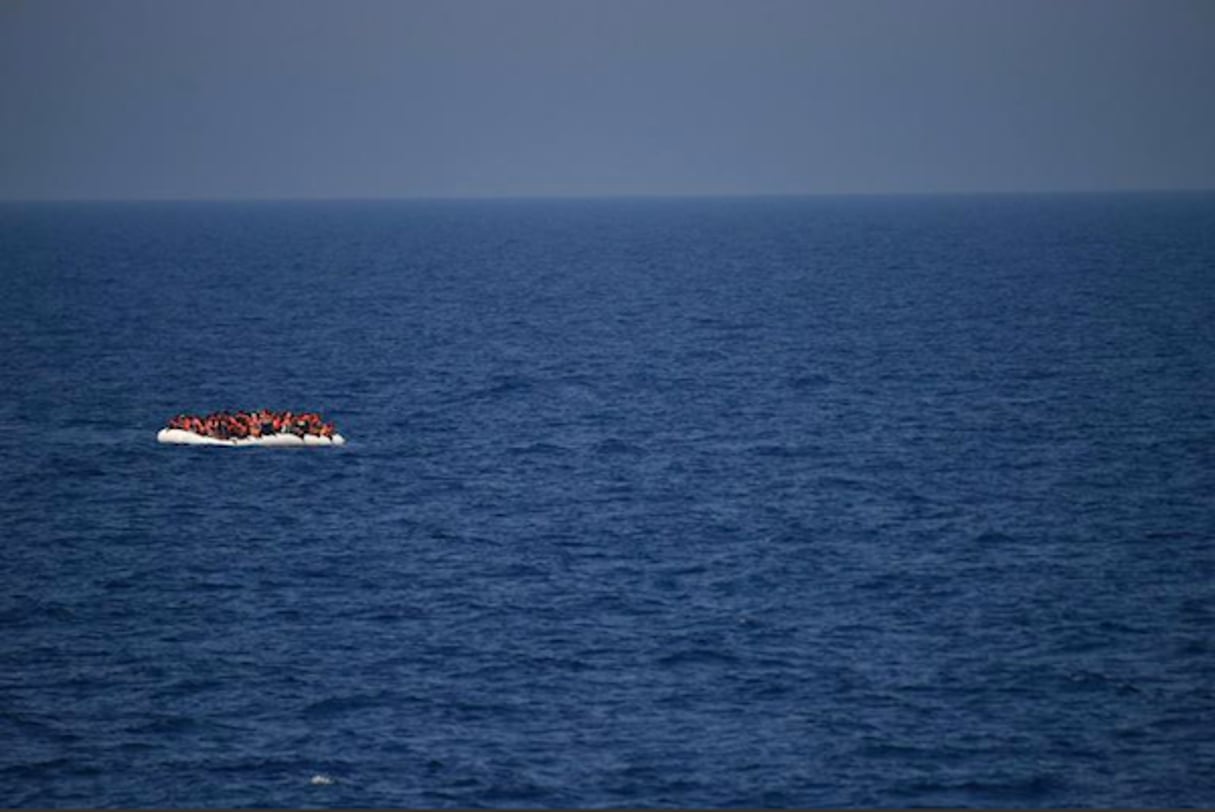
x,y
1126,191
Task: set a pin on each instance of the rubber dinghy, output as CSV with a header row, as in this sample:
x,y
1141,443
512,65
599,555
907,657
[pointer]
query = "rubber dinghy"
x,y
181,437
257,428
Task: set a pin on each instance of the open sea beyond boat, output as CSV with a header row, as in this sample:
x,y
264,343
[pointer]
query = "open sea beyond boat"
x,y
778,502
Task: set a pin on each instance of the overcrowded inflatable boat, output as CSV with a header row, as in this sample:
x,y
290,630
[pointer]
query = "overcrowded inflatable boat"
x,y
259,428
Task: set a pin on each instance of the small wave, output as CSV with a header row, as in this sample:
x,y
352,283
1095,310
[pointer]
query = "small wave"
x,y
189,687
519,792
540,448
814,381
50,769
166,725
894,751
340,705
697,656
834,481
993,537
996,789
28,609
786,451
32,728
1082,681
502,385
727,326
614,445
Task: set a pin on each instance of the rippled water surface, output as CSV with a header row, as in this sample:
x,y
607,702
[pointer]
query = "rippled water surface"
x,y
646,503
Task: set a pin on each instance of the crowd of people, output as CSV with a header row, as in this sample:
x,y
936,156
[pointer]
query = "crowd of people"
x,y
262,423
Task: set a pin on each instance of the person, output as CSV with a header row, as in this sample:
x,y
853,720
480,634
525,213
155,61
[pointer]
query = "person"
x,y
225,425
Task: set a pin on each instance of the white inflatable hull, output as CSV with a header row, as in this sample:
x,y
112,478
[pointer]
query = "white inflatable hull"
x,y
179,437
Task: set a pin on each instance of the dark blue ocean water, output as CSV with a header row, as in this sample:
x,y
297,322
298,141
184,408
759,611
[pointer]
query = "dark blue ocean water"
x,y
646,502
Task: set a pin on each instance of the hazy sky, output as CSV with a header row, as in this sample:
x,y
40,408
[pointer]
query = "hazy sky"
x,y
363,98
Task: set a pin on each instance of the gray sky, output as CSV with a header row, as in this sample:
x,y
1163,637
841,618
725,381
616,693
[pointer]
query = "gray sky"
x,y
439,98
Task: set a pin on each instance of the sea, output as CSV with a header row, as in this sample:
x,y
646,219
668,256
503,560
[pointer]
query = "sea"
x,y
723,502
